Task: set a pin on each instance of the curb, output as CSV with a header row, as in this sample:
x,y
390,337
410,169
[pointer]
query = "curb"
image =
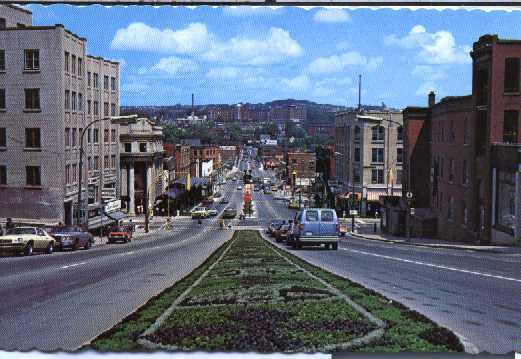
x,y
444,246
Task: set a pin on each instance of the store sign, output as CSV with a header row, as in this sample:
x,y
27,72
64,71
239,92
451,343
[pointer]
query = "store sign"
x,y
112,206
303,182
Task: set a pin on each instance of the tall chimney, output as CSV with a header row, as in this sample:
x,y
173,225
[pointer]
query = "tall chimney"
x,y
359,93
193,109
432,98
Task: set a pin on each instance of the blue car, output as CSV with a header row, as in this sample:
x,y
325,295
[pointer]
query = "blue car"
x,y
316,226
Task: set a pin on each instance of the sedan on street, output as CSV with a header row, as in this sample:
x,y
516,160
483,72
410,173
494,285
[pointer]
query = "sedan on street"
x,y
26,240
73,237
120,233
229,213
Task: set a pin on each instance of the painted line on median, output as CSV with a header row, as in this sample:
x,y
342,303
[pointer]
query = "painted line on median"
x,y
434,265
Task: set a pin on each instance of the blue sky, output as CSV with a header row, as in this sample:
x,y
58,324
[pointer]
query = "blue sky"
x,y
230,55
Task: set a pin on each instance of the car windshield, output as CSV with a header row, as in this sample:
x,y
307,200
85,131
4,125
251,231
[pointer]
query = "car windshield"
x,y
118,229
21,230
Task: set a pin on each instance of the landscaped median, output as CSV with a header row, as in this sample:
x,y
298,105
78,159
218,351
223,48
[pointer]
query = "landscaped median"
x,y
251,296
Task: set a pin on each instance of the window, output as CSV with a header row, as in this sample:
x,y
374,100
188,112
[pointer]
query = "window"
x,y
451,170
67,100
399,134
80,102
89,135
3,23
356,174
465,131
88,78
113,83
327,216
96,108
32,99
32,138
378,133
441,167
74,137
311,216
512,74
113,135
67,174
73,64
74,173
106,163
33,176
357,154
2,60
80,66
73,101
66,61
450,211
128,147
357,133
67,137
482,86
32,60
3,175
96,82
377,155
399,155
143,147
399,174
106,135
106,82
452,136
113,109
89,105
113,161
510,126
95,135
105,109
465,174
96,163
2,99
89,163
377,176
3,137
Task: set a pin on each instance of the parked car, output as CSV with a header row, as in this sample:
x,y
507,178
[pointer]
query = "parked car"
x,y
225,201
212,212
316,226
120,233
229,213
274,225
26,240
199,212
283,233
267,191
239,188
73,237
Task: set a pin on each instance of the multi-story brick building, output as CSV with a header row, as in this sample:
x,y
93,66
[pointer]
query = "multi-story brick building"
x,y
228,153
301,167
46,101
369,155
201,154
181,154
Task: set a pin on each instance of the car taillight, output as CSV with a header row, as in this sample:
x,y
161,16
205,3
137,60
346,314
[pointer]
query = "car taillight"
x,y
301,226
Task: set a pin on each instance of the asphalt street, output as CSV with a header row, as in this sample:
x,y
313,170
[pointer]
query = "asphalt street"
x,y
64,300
475,294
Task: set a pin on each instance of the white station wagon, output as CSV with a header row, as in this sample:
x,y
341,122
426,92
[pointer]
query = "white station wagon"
x,y
26,240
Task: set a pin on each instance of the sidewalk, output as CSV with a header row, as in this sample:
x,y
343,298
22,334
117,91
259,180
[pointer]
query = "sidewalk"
x,y
436,243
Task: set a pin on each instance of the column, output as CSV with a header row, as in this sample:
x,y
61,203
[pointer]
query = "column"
x,y
150,183
517,226
130,192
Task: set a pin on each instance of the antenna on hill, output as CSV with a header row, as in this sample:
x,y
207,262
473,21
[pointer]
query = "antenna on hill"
x,y
359,93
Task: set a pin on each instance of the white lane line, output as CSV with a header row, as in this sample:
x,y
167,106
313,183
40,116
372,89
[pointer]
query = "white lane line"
x,y
73,265
434,265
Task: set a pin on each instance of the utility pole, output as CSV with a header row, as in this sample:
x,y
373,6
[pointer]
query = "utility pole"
x,y
359,93
145,195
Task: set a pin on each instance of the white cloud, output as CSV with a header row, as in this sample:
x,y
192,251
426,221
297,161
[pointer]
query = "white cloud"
x,y
139,36
171,66
429,76
434,48
332,87
298,83
337,63
274,47
332,16
427,87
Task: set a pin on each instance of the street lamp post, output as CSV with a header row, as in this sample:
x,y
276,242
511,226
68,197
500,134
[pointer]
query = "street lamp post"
x,y
114,120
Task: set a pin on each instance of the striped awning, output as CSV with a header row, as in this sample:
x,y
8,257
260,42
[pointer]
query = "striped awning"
x,y
374,196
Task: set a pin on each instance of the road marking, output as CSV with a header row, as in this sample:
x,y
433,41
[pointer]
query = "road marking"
x,y
435,265
73,265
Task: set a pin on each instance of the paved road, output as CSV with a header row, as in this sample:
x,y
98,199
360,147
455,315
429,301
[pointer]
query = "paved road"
x,y
64,300
475,294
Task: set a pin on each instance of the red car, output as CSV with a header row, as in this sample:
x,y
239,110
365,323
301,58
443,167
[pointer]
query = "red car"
x,y
120,233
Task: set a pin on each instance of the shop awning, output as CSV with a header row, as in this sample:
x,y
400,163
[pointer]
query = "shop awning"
x,y
117,215
100,221
374,196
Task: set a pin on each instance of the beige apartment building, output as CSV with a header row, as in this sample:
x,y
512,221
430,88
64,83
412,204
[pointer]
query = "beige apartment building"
x,y
369,156
50,90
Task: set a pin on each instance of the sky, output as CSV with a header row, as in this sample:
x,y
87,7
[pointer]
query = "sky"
x,y
259,54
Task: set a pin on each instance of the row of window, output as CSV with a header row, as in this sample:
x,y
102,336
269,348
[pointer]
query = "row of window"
x,y
32,138
439,168
32,99
142,147
93,80
32,176
451,210
93,163
76,64
377,155
377,176
72,136
31,60
377,133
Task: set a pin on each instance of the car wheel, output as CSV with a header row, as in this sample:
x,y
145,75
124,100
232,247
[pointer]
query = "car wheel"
x,y
87,245
28,251
50,248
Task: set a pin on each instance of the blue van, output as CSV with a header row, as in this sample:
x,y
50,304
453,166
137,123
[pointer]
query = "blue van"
x,y
315,226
